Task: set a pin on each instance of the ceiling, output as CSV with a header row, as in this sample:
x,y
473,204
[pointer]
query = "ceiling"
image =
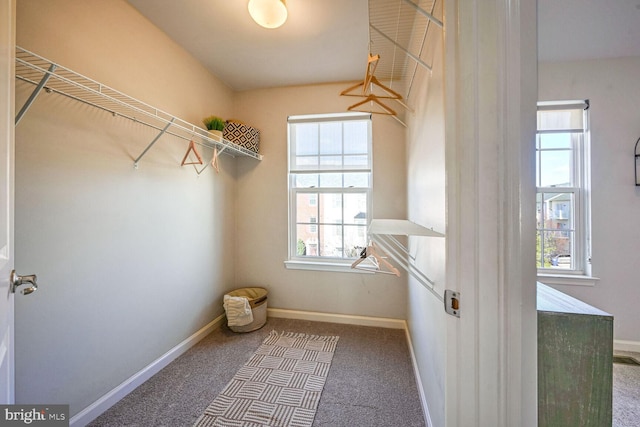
x,y
328,40
322,40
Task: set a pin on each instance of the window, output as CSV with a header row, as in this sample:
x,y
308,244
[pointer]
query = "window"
x,y
562,180
329,187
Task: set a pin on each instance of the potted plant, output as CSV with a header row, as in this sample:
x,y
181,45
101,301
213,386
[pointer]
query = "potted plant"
x,y
214,125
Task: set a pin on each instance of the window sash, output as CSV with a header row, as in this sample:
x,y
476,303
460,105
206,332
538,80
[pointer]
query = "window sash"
x,y
349,230
578,232
332,167
313,156
576,150
315,179
574,231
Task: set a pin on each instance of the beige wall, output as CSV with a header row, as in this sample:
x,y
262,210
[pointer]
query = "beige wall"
x,y
129,262
262,208
109,41
427,206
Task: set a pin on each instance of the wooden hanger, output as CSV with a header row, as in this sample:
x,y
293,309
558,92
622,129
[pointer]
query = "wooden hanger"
x,y
372,81
214,160
377,257
213,163
372,64
192,147
363,256
381,259
375,99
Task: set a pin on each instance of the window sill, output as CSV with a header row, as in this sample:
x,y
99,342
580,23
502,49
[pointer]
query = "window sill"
x,y
567,279
322,266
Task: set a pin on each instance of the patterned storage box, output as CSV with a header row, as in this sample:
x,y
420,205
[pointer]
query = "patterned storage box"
x,y
243,135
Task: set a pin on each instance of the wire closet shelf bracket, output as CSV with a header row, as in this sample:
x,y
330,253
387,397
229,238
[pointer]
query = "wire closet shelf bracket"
x,y
52,77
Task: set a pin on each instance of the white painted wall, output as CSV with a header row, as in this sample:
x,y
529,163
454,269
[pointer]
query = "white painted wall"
x,y
129,262
426,186
612,87
262,208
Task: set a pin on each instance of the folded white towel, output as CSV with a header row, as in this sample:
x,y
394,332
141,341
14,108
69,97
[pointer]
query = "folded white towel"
x,y
238,310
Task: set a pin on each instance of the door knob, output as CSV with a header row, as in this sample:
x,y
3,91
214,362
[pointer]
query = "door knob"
x,y
17,280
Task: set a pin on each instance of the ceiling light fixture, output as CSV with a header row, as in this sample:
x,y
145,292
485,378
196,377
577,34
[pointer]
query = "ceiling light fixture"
x,y
268,13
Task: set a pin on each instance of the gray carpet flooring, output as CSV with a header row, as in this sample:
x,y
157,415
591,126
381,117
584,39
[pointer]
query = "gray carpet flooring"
x,y
370,383
626,392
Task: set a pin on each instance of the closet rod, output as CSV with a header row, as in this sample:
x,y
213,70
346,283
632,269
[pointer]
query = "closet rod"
x,y
406,265
402,48
399,256
382,232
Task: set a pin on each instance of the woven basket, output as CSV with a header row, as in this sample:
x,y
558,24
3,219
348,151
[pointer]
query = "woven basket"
x,y
258,301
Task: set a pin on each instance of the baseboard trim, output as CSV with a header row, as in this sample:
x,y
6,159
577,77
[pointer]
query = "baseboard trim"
x,y
92,411
348,319
623,345
416,373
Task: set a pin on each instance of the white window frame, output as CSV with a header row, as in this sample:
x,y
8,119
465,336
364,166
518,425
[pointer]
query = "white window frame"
x,y
324,263
580,274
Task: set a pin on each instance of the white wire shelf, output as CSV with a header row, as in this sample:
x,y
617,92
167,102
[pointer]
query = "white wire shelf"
x,y
398,32
52,77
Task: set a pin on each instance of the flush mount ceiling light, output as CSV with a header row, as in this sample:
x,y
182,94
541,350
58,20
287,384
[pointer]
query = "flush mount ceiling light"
x,y
268,13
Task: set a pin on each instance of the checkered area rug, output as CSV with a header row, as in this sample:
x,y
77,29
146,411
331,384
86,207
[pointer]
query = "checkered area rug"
x,y
279,386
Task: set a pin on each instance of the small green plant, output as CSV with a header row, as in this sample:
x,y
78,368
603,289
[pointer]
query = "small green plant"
x,y
302,248
213,123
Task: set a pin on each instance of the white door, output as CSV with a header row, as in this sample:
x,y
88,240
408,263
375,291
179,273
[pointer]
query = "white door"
x,y
7,117
491,93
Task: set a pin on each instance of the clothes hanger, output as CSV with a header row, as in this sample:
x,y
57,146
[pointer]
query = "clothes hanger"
x,y
372,64
382,259
391,94
192,147
378,258
369,78
368,85
363,256
375,99
213,163
214,160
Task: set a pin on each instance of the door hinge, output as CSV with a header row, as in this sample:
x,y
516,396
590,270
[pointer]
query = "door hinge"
x,y
452,302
